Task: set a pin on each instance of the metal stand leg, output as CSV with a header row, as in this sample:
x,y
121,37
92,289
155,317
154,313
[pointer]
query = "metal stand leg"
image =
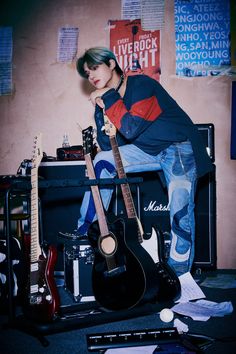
x,y
11,312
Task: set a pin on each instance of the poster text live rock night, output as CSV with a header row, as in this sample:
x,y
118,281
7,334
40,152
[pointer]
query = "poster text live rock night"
x,y
128,44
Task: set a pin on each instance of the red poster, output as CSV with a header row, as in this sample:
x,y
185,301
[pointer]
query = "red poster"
x,y
130,43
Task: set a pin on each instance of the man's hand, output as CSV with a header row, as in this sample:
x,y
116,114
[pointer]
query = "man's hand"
x,y
95,96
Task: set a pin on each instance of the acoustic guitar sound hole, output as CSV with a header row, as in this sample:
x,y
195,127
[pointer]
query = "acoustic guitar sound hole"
x,y
108,245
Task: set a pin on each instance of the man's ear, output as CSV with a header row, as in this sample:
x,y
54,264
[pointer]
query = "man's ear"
x,y
112,64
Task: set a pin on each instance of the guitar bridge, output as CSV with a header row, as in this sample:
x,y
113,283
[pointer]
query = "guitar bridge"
x,y
115,272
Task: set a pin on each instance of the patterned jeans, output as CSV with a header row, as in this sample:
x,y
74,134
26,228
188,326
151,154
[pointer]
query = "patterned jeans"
x,y
178,165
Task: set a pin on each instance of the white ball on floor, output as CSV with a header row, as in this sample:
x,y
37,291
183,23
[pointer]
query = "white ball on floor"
x,y
166,315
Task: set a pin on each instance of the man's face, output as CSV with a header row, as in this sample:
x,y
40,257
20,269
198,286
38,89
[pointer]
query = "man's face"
x,y
99,75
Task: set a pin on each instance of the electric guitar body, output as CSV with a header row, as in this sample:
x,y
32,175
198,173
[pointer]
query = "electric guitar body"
x,y
169,284
42,301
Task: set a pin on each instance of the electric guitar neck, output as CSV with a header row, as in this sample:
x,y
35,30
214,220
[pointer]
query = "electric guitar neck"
x,y
42,301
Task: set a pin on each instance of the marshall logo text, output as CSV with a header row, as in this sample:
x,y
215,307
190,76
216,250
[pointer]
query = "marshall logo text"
x,y
153,206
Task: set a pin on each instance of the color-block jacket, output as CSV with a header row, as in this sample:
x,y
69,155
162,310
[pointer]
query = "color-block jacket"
x,y
148,117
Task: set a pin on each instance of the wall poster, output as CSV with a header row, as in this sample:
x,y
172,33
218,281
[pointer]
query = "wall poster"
x,y
130,9
6,49
67,44
152,14
129,42
202,32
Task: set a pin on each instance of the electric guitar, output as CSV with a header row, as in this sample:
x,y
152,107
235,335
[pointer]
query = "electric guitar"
x,y
42,300
123,275
169,285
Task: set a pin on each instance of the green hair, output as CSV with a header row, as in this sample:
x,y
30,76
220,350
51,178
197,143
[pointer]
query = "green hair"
x,y
96,56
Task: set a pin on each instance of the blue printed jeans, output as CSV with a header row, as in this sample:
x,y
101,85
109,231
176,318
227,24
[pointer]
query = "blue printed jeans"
x,y
178,165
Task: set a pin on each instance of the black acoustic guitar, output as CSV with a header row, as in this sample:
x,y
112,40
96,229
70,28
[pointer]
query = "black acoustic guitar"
x,y
169,285
124,274
42,299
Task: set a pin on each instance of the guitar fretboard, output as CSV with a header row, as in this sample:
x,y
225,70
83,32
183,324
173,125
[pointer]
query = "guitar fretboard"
x,y
125,188
35,248
130,208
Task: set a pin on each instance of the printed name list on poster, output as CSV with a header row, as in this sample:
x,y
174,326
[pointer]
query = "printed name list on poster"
x,y
202,30
128,44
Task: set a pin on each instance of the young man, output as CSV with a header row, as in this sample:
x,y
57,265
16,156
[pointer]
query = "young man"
x,y
153,133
